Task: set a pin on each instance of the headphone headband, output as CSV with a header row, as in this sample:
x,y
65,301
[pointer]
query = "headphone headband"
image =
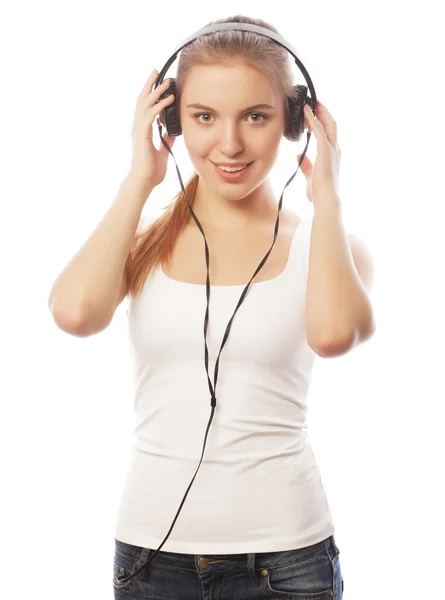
x,y
241,27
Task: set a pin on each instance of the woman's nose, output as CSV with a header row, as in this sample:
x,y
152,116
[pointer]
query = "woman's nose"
x,y
231,142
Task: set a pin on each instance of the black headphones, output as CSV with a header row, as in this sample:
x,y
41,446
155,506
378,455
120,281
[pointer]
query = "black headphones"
x,y
293,132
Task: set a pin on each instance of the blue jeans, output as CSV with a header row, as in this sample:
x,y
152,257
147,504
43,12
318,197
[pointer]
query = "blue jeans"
x,y
311,573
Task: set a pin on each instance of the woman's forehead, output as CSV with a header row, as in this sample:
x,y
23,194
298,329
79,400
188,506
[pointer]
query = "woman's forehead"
x,y
208,86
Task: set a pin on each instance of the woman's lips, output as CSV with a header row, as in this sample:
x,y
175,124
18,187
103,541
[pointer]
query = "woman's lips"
x,y
236,176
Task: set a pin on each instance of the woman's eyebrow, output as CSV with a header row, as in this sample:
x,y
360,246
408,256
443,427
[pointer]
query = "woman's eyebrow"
x,y
256,106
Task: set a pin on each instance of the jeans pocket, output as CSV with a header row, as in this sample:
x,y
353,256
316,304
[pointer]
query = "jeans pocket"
x,y
333,553
123,566
309,579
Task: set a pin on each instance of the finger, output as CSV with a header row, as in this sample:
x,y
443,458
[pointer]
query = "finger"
x,y
315,124
153,101
311,118
328,122
147,90
157,107
163,102
153,97
160,89
149,84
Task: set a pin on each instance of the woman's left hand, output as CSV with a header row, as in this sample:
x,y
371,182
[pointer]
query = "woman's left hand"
x,y
322,178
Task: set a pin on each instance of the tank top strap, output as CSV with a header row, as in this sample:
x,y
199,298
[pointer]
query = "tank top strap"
x,y
299,248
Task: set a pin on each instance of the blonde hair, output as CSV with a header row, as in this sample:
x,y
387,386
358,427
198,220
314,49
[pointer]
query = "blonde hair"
x,y
155,245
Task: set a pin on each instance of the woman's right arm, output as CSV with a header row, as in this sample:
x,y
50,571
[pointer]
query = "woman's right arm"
x,y
85,295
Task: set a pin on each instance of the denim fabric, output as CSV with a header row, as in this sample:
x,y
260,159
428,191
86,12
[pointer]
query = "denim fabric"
x,y
311,573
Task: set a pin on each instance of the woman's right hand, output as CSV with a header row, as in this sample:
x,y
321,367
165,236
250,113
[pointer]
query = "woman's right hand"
x,y
148,164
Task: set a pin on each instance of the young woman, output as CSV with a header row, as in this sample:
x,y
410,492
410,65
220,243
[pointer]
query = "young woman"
x,y
256,523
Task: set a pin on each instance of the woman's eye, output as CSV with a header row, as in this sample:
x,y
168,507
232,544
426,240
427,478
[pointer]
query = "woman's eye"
x,y
263,117
202,115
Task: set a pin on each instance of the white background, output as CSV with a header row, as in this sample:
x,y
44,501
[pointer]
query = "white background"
x,y
70,76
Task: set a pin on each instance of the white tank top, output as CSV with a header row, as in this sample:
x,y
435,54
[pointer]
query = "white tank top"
x,y
258,488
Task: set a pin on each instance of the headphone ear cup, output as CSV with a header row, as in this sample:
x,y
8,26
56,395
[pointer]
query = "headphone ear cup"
x,y
169,116
296,103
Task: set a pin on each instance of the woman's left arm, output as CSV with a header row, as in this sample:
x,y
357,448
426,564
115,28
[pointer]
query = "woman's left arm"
x,y
339,313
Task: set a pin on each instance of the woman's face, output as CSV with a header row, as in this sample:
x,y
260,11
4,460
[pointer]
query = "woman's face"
x,y
228,130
